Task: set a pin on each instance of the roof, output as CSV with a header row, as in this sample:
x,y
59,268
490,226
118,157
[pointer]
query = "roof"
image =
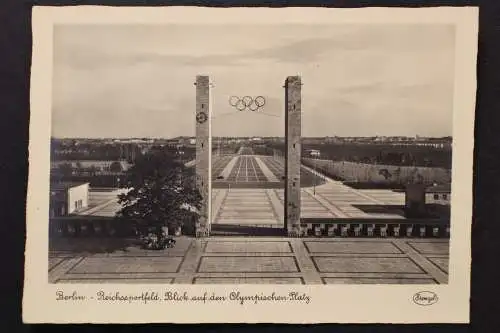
x,y
64,186
439,189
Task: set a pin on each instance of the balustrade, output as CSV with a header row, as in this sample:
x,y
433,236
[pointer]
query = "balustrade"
x,y
68,227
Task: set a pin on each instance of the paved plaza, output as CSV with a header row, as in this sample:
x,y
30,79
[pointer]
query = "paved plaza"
x,y
261,260
261,207
265,260
264,206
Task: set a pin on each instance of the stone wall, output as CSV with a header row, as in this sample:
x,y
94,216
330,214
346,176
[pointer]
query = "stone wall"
x,y
360,172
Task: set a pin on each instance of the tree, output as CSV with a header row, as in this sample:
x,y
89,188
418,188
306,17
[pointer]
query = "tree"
x,y
115,167
65,169
92,170
162,194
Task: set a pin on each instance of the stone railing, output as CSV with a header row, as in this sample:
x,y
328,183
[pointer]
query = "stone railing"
x,y
406,228
439,228
84,226
95,226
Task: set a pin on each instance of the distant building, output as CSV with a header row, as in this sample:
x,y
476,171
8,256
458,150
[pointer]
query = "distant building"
x,y
313,152
68,198
421,200
438,194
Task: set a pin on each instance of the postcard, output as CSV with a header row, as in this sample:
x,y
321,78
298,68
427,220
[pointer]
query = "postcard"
x,y
250,165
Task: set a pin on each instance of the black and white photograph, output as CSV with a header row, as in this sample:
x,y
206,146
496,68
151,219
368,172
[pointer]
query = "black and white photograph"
x,y
239,153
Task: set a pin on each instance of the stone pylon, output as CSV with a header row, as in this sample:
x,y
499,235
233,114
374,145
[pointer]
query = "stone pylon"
x,y
203,152
293,98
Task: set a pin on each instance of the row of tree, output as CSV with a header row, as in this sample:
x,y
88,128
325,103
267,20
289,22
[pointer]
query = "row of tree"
x,y
68,169
92,151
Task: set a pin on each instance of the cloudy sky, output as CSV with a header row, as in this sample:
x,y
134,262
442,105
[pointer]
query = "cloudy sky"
x,y
137,81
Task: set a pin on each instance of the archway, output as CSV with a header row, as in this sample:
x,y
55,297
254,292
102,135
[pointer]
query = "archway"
x,y
292,163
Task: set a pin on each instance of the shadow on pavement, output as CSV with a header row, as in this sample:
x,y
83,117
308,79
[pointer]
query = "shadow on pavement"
x,y
239,230
93,245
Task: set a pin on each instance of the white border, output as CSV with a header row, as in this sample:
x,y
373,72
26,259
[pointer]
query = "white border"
x,y
330,303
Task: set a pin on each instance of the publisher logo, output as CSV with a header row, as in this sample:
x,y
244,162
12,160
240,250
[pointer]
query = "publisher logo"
x,y
425,298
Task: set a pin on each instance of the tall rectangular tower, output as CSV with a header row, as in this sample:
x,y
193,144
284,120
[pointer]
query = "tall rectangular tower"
x,y
203,152
293,86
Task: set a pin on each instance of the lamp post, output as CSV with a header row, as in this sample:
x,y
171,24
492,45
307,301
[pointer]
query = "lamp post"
x,y
181,155
315,174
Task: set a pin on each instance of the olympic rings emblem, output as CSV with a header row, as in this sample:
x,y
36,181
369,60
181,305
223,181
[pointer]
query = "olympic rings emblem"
x,y
247,102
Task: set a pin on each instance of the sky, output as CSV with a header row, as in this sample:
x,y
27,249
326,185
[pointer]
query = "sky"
x,y
358,80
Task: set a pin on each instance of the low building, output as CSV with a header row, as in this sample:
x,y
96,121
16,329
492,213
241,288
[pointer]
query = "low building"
x,y
421,200
438,194
68,198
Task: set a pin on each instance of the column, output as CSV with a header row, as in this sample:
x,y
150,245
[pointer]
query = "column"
x,y
203,153
293,87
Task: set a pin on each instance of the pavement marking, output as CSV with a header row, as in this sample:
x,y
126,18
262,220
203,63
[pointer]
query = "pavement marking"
x,y
248,247
229,167
422,261
61,269
237,175
248,280
246,207
345,247
340,184
271,177
276,204
217,204
252,275
242,264
219,165
264,260
332,208
305,263
246,169
136,264
189,266
118,280
378,275
441,262
357,281
366,264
